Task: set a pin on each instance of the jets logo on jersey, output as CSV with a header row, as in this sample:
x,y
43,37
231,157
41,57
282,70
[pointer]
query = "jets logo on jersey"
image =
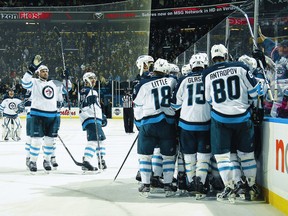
x,y
48,92
12,106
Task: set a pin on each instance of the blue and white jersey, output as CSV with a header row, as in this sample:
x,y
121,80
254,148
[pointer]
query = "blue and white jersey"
x,y
153,97
227,86
88,111
189,96
44,96
9,107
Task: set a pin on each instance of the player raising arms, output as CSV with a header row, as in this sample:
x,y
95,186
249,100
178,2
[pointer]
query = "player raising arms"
x,y
44,96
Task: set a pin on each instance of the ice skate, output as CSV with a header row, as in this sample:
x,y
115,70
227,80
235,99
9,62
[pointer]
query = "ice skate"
x,y
47,166
227,195
88,167
201,190
138,176
53,162
241,188
156,185
32,167
170,190
103,164
144,190
191,187
252,193
27,162
181,182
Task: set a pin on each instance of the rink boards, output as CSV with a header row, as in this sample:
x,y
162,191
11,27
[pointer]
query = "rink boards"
x,y
273,169
272,165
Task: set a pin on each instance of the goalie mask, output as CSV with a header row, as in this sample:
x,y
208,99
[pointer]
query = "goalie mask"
x,y
144,62
90,78
219,50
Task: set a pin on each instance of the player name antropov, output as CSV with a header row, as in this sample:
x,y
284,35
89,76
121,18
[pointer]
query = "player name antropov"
x,y
159,82
221,73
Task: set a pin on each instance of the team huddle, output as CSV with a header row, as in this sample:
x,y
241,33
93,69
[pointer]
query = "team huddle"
x,y
200,124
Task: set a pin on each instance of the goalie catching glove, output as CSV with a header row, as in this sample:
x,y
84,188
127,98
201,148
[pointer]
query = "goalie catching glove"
x,y
34,65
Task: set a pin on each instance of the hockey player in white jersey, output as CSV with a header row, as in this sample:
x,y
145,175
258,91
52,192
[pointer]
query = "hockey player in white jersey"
x,y
227,87
152,96
11,126
194,124
92,121
44,96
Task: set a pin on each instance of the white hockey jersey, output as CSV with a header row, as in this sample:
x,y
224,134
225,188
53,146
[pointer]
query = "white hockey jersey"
x,y
153,97
9,107
44,96
88,112
189,97
227,86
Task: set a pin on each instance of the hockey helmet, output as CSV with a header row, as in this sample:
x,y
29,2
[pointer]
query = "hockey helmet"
x,y
249,61
219,50
205,59
185,69
196,61
88,76
162,65
42,67
142,61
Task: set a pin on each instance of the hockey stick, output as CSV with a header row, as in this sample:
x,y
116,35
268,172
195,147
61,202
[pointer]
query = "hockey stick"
x,y
97,132
64,67
256,47
126,157
76,162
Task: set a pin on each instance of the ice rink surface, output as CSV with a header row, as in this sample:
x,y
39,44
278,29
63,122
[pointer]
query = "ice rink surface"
x,y
68,192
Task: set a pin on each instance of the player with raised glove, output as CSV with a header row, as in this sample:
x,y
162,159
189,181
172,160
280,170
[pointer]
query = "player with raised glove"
x,y
34,65
259,56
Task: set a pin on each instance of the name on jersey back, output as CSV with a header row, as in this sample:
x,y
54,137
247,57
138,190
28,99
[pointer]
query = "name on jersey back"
x,y
221,73
159,82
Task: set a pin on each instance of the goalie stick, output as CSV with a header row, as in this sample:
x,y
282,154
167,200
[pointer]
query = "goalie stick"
x,y
76,162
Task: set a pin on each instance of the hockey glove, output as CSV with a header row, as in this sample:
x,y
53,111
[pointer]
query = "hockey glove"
x,y
20,108
35,63
91,99
65,74
104,120
257,115
59,104
259,56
